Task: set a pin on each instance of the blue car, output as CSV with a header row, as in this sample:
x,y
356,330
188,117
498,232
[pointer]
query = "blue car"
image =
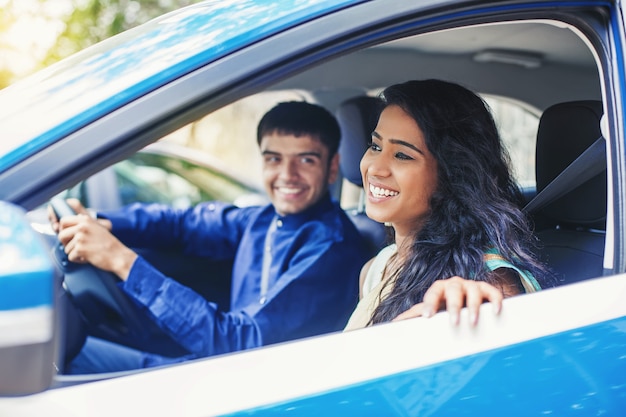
x,y
554,74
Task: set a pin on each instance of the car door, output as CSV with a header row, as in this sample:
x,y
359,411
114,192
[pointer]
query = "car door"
x,y
558,351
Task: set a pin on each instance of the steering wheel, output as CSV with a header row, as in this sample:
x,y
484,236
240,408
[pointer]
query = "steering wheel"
x,y
109,312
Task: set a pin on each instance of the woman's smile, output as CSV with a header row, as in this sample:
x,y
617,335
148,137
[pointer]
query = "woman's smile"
x,y
380,192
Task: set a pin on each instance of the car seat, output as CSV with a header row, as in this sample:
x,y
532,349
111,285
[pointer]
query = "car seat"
x,y
357,119
572,227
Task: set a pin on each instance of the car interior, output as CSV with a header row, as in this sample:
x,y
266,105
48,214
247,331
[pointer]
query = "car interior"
x,y
357,118
545,69
573,226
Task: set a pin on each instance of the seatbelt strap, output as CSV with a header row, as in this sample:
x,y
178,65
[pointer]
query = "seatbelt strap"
x,y
589,164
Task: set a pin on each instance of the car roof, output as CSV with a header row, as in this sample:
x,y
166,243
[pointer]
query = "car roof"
x,y
537,62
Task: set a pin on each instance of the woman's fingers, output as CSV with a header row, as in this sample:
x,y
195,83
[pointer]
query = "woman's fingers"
x,y
484,292
453,294
445,294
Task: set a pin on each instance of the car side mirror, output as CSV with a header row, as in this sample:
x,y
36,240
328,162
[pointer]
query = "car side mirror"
x,y
29,282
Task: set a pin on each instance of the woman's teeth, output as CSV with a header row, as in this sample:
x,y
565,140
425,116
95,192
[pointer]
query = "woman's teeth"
x,y
381,192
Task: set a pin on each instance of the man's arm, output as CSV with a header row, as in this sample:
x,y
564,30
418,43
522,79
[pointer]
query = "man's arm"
x,y
314,296
192,321
208,229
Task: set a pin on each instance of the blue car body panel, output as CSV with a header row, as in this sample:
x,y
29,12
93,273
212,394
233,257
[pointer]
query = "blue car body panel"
x,y
28,280
96,81
579,372
25,263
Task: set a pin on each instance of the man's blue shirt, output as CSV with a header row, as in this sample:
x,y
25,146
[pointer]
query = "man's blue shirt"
x,y
313,279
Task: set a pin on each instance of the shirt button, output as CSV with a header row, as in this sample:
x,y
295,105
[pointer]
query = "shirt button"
x,y
262,300
279,223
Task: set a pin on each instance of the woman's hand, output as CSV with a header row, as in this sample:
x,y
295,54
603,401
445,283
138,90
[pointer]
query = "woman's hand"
x,y
453,294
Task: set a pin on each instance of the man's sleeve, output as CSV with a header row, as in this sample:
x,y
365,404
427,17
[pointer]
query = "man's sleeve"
x,y
193,322
315,295
203,230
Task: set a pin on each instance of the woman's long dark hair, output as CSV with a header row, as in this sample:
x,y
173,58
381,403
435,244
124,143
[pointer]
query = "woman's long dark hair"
x,y
476,205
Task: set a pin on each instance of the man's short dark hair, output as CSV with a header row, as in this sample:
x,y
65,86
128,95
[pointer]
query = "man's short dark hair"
x,y
300,118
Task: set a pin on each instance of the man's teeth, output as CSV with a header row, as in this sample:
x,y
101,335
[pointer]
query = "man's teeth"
x,y
289,190
381,192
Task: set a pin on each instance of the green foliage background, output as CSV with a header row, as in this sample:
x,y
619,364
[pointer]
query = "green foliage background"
x,y
90,21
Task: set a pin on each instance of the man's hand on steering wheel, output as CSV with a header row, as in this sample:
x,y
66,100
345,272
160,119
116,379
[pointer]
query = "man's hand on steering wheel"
x,y
97,260
76,207
89,240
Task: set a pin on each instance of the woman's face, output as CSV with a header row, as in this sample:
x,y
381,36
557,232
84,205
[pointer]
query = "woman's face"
x,y
399,173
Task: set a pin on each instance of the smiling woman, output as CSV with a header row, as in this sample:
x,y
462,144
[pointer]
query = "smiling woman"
x,y
437,172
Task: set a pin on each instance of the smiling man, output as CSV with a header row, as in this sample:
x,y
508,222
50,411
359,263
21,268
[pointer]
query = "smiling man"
x,y
296,261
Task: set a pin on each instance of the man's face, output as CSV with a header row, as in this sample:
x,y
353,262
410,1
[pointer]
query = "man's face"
x,y
296,171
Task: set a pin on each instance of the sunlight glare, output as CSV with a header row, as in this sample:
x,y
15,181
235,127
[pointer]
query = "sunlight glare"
x,y
24,43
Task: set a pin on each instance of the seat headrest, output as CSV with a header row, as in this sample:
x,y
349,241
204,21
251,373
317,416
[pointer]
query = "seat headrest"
x,y
565,131
357,119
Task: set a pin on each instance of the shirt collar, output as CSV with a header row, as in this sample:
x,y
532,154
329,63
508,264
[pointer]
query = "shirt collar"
x,y
290,221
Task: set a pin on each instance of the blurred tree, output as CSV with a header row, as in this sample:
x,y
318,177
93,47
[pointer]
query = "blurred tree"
x,y
70,25
6,77
6,20
94,20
